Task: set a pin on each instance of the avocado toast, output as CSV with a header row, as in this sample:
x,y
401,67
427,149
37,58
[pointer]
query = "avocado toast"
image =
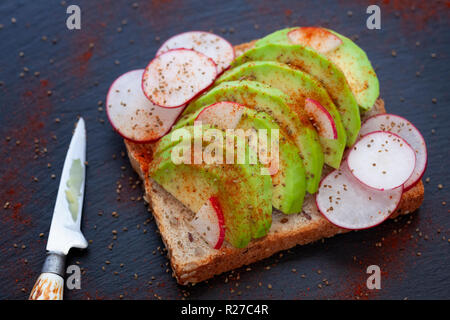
x,y
193,260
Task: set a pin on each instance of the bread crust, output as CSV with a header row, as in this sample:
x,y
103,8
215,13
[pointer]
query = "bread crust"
x,y
192,261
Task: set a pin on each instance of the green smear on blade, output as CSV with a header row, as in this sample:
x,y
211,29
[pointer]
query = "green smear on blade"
x,y
74,186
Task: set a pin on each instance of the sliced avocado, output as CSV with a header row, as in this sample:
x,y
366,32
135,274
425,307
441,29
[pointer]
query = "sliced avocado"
x,y
350,58
165,143
298,86
311,62
279,36
289,183
261,97
192,192
244,194
202,190
358,70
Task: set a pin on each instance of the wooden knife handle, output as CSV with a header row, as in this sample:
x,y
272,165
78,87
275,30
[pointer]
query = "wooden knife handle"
x,y
50,284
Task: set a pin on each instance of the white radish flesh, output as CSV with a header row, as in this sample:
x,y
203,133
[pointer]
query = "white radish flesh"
x,y
210,224
321,119
406,130
175,77
211,45
224,115
132,115
382,160
319,39
348,204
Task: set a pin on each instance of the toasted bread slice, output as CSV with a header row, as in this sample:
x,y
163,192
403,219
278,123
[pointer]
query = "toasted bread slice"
x,y
194,261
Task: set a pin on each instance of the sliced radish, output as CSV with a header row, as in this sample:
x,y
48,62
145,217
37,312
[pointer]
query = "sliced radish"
x,y
348,204
209,222
319,39
132,115
321,119
382,160
211,45
406,130
224,115
173,78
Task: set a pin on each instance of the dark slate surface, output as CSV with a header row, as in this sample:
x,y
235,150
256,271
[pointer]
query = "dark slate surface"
x,y
79,76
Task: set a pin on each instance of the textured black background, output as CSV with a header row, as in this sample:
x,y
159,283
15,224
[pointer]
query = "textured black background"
x,y
79,78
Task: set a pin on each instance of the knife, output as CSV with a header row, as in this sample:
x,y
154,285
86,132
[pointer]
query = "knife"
x,y
65,230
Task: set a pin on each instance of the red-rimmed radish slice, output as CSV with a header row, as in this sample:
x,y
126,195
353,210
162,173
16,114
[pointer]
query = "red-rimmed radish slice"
x,y
406,130
321,119
224,115
211,45
175,77
319,39
347,203
209,222
132,115
381,160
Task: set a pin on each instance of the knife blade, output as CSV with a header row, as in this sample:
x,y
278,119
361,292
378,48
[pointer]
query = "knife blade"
x,y
65,232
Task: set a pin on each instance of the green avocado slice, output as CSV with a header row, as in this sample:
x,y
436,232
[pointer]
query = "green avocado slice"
x,y
279,36
319,67
244,194
261,97
350,58
358,70
289,183
298,86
